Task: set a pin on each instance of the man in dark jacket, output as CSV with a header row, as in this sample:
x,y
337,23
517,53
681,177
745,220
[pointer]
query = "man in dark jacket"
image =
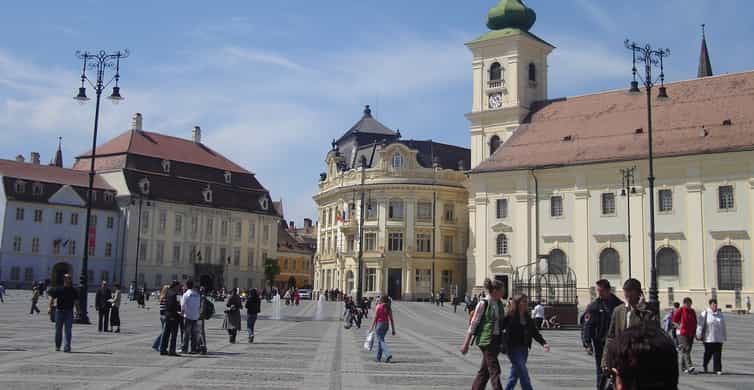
x,y
102,303
596,324
172,319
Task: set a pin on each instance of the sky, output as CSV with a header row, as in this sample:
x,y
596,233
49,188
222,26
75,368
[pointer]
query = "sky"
x,y
271,83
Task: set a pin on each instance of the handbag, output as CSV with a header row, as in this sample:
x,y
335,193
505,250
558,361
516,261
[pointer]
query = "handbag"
x,y
701,330
369,342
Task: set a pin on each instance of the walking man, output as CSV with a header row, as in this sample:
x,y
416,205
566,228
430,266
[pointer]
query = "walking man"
x,y
34,300
102,303
66,298
538,314
172,319
2,292
190,302
684,320
596,323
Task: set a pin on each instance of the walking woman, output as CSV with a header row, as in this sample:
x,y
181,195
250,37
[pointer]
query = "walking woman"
x,y
520,329
253,307
163,298
383,321
711,330
34,300
115,309
233,315
486,333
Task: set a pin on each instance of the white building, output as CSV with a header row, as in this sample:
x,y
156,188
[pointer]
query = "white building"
x,y
546,177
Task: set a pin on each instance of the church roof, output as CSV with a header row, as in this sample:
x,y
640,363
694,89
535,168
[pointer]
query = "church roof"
x,y
705,66
704,115
369,126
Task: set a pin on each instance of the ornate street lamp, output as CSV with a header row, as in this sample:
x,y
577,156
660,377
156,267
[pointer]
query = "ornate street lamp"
x,y
98,62
651,58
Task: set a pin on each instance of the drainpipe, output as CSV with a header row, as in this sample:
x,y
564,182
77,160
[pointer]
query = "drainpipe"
x,y
536,219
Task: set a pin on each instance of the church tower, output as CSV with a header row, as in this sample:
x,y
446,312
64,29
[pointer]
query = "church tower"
x,y
509,74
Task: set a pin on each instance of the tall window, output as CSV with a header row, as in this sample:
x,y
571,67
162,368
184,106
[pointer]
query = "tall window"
x,y
178,224
17,244
162,222
556,206
447,243
108,249
395,210
608,203
557,263
223,228
15,273
38,216
424,242
58,217
370,241
28,274
532,72
371,210
210,227
56,247
176,254
725,195
223,256
449,212
349,242
207,256
237,230
35,245
729,268
110,222
496,72
159,252
250,258
423,279
397,161
395,242
72,248
665,200
424,211
74,218
494,144
143,250
371,279
609,262
252,231
236,256
447,278
667,262
501,245
194,225
93,220
19,214
145,221
266,233
501,208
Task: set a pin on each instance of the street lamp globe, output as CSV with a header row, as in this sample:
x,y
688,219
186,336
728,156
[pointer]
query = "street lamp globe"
x,y
81,97
115,97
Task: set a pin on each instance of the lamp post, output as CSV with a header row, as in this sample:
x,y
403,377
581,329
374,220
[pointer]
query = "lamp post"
x,y
99,62
360,260
138,241
628,190
651,58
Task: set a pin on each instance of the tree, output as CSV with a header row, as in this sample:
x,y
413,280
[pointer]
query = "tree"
x,y
271,270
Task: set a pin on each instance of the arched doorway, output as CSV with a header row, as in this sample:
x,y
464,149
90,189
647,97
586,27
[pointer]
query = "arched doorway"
x,y
58,270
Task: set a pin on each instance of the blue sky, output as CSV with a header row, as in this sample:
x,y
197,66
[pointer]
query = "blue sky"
x,y
272,82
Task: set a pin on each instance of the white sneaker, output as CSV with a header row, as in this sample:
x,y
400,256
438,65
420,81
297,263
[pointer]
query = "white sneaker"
x,y
719,373
691,370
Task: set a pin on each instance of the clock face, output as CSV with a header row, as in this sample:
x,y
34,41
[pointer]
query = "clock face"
x,y
496,100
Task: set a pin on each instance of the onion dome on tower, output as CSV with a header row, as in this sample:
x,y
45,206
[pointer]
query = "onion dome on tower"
x,y
511,14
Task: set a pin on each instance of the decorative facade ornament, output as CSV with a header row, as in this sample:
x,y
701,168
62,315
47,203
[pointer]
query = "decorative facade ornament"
x,y
144,186
207,194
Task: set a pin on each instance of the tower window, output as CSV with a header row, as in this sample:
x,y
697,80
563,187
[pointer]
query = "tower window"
x,y
397,162
496,72
494,144
532,73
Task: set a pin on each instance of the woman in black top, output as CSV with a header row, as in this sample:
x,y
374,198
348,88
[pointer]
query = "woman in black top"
x,y
253,307
233,315
520,330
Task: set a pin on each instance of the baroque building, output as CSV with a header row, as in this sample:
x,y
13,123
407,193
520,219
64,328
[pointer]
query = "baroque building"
x,y
546,186
295,254
400,206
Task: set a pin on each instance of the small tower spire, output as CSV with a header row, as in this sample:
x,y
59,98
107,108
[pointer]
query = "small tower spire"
x,y
58,160
705,66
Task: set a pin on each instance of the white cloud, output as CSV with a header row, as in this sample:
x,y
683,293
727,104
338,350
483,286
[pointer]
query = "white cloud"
x,y
580,63
238,54
598,15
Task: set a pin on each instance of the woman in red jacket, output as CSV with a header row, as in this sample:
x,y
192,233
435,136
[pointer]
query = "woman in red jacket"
x,y
684,319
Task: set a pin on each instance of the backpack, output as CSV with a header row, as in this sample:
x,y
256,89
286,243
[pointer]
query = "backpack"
x,y
206,309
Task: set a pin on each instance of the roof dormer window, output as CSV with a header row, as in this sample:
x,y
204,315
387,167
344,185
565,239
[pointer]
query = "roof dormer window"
x,y
37,189
166,166
228,177
397,161
144,186
207,194
20,186
109,196
264,203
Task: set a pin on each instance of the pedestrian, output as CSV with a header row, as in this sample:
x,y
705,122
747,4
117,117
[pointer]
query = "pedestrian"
x,y
712,331
486,333
115,309
383,321
206,311
102,304
65,299
634,312
172,319
667,323
645,359
232,321
163,300
748,304
538,314
140,298
684,321
253,307
520,330
596,325
190,302
2,293
34,300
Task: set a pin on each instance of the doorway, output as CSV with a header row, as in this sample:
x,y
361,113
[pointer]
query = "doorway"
x,y
394,278
504,280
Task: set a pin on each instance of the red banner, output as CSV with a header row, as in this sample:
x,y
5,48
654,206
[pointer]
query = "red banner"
x,y
92,237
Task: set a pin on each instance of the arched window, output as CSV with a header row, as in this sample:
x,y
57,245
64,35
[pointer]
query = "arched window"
x,y
667,262
496,72
502,245
609,262
532,72
397,162
494,144
557,263
729,268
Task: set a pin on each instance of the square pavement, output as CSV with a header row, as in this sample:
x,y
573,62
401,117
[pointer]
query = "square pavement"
x,y
299,352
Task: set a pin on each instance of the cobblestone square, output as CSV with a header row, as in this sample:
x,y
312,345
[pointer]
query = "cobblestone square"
x,y
298,352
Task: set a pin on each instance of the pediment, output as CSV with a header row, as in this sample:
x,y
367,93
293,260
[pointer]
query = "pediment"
x,y
501,265
729,234
66,195
501,228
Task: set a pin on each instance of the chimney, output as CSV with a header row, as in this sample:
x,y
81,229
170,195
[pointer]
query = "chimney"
x,y
307,223
292,226
136,122
20,158
196,135
34,158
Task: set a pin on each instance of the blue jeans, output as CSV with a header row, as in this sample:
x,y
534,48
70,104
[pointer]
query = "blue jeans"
x,y
156,344
380,331
63,318
251,319
518,356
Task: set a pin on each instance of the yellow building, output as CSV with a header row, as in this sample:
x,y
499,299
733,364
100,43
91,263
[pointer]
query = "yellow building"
x,y
295,260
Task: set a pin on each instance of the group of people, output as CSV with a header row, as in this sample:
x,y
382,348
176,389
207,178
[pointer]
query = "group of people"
x,y
291,296
685,326
355,311
107,303
333,295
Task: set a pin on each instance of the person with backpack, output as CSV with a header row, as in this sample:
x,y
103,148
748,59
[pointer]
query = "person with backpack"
x,y
206,312
485,331
253,307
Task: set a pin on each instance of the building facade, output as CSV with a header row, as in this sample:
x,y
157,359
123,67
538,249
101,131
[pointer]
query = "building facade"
x,y
188,212
295,258
546,188
42,222
414,225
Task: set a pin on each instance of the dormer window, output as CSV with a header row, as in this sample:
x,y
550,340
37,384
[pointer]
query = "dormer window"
x,y
397,161
109,196
37,189
264,203
496,75
20,186
228,177
207,194
166,166
144,186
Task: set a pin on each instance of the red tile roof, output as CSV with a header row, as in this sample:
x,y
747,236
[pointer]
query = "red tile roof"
x,y
166,147
705,115
50,174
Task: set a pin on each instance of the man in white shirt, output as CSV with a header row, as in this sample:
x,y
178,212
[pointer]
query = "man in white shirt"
x,y
190,302
538,313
